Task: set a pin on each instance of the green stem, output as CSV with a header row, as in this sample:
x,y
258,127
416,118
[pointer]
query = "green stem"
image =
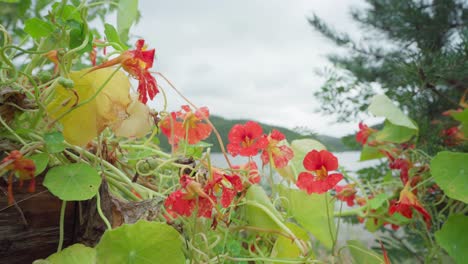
x,y
329,224
62,224
280,224
101,214
12,131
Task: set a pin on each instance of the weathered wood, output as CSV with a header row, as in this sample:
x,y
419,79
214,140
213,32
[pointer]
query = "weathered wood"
x,y
23,243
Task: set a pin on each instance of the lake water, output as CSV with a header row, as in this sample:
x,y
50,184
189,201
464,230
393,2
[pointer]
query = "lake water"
x,y
348,160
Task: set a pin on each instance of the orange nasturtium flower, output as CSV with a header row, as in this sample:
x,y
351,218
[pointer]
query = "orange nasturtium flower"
x,y
137,62
110,107
24,168
406,203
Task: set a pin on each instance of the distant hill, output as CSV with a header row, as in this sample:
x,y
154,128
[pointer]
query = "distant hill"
x,y
224,125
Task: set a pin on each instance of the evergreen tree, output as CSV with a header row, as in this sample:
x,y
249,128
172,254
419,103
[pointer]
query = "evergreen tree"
x,y
416,51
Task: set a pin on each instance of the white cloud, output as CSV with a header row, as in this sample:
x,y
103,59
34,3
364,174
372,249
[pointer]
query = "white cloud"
x,y
246,58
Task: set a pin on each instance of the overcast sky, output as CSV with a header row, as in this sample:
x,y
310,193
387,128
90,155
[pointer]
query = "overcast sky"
x,y
253,59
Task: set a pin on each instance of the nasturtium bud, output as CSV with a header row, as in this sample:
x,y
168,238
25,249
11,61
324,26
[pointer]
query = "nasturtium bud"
x,y
67,83
44,76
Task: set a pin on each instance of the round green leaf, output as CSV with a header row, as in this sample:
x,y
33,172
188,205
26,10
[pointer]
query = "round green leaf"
x,y
73,182
54,142
452,237
259,210
450,172
310,211
74,254
141,243
362,255
395,134
381,105
40,160
285,248
37,28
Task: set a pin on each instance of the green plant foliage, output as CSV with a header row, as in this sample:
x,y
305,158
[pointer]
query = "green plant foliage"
x,y
395,134
54,142
38,28
369,153
40,160
310,211
127,14
285,247
73,182
382,106
74,254
259,211
113,37
378,201
450,172
141,243
363,255
452,237
463,118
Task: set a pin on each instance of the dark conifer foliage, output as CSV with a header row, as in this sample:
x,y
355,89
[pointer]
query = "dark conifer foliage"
x,y
416,51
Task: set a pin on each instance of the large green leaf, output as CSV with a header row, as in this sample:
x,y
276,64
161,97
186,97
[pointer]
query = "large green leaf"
x,y
37,28
301,147
363,255
259,211
452,237
369,153
395,134
141,243
74,254
40,160
285,247
113,37
463,118
127,14
54,142
381,105
310,211
73,182
450,172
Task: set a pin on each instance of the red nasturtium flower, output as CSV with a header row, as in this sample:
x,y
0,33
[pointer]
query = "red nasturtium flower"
x,y
317,179
184,201
24,168
346,193
403,165
252,171
137,62
186,125
246,140
193,196
453,136
281,154
406,203
364,133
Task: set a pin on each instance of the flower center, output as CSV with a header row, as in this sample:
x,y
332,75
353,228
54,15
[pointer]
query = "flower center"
x,y
322,173
247,142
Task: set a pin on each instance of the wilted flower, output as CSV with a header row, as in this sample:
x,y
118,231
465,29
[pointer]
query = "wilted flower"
x,y
280,154
137,62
